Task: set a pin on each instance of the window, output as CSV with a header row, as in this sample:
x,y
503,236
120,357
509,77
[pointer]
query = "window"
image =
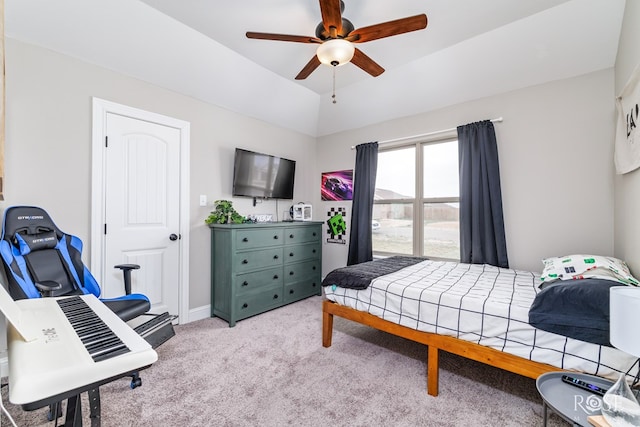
x,y
394,201
416,201
441,207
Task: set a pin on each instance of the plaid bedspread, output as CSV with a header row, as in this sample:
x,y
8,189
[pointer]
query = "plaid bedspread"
x,y
483,304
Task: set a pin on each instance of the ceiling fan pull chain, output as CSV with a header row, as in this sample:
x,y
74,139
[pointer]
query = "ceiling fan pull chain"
x,y
334,85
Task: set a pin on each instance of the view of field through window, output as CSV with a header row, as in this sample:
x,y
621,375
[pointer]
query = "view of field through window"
x,y
396,195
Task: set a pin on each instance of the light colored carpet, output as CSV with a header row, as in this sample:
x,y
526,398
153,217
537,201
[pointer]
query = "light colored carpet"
x,y
271,370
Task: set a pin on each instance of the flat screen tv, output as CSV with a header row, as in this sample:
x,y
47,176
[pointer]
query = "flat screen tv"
x,y
262,175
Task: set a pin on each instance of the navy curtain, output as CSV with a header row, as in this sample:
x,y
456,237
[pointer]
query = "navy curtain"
x,y
364,186
482,238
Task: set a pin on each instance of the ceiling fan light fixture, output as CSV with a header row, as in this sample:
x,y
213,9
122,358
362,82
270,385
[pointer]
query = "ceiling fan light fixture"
x,y
335,52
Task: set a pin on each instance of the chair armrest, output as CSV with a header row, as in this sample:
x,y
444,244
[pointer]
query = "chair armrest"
x,y
125,267
126,271
47,287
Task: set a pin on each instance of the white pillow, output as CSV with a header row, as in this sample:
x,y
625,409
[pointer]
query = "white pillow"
x,y
586,266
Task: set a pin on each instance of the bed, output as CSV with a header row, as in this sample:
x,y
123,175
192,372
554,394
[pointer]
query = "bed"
x,y
480,312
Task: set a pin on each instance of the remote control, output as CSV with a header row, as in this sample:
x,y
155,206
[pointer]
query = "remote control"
x,y
584,385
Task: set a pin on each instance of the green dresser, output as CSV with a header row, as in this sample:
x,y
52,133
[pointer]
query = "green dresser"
x,y
258,267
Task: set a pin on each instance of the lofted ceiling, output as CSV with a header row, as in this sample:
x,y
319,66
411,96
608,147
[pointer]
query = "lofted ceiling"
x,y
470,49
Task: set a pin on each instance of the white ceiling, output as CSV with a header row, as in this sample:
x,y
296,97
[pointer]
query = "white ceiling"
x,y
470,49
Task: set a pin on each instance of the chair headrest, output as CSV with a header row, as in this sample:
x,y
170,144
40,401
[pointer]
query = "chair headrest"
x,y
34,242
28,221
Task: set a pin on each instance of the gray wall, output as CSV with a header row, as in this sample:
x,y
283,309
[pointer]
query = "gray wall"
x,y
627,186
48,145
556,164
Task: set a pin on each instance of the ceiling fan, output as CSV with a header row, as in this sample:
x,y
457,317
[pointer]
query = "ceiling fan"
x,y
335,36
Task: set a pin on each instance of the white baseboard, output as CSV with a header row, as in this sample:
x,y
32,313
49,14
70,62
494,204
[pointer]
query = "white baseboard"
x,y
199,313
4,366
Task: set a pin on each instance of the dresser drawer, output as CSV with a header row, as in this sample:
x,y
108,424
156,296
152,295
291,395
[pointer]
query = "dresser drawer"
x,y
301,252
254,303
301,271
301,234
252,239
249,282
303,289
252,260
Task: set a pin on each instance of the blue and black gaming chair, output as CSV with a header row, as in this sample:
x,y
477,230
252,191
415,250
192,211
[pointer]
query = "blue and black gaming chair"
x,y
42,261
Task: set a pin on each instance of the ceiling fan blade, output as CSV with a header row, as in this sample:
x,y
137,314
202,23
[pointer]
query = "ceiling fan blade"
x,y
331,16
282,37
387,29
367,64
309,68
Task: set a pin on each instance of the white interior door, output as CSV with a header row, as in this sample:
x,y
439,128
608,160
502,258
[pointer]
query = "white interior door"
x,y
142,209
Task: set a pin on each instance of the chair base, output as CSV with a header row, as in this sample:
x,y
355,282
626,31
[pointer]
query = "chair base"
x,y
157,330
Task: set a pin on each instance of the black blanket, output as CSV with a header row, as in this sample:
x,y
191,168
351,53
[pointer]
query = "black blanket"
x,y
574,308
359,276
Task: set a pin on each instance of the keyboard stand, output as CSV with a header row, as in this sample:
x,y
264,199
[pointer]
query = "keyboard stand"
x,y
73,417
73,413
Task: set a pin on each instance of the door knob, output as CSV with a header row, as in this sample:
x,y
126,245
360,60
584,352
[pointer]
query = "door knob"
x,y
173,236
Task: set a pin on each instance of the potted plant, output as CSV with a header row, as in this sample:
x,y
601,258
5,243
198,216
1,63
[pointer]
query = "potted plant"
x,y
224,214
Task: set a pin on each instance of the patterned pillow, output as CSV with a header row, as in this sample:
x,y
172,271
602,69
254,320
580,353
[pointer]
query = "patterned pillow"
x,y
586,266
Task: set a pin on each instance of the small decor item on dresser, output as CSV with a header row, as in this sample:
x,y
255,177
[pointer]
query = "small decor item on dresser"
x,y
619,406
260,218
301,212
224,214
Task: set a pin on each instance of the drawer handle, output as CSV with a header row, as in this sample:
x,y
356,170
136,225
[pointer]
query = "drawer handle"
x,y
245,305
275,296
291,291
290,253
275,257
244,261
313,251
275,237
245,239
275,277
314,267
291,236
314,234
313,285
245,283
291,273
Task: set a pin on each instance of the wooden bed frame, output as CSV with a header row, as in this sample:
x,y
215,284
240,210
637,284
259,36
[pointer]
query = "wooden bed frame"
x,y
434,342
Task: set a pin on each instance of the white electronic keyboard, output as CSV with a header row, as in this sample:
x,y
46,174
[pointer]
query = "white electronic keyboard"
x,y
60,347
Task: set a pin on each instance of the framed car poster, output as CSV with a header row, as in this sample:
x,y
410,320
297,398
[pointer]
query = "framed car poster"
x,y
337,186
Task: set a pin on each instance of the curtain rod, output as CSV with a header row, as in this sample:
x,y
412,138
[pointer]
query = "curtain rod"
x,y
496,120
